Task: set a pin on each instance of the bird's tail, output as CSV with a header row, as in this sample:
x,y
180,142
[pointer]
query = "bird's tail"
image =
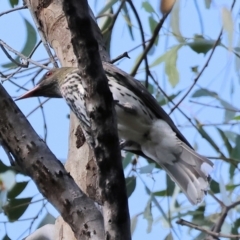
x,y
191,173
189,170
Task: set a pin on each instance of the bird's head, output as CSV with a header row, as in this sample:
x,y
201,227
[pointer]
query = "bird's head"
x,y
49,85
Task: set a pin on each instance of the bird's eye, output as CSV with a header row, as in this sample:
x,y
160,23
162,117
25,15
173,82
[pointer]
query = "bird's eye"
x,y
48,74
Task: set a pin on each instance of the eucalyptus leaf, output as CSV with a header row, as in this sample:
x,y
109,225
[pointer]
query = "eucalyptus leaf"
x,y
131,185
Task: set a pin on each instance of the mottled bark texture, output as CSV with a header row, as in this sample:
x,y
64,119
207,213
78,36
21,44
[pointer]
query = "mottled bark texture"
x,y
53,181
100,108
80,162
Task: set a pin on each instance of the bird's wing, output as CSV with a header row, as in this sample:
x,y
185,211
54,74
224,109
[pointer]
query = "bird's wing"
x,y
138,89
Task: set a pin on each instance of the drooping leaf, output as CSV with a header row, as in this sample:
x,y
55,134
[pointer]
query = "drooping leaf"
x,y
105,25
208,3
13,3
236,56
3,167
230,110
6,237
204,93
228,26
153,23
17,189
107,6
225,140
169,237
236,150
16,207
134,221
175,22
205,135
170,185
29,44
147,214
147,169
48,219
200,44
237,118
164,101
214,186
131,185
128,20
235,226
127,160
170,60
148,7
199,215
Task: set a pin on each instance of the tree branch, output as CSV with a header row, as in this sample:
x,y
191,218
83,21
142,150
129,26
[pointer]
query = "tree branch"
x,y
100,108
52,180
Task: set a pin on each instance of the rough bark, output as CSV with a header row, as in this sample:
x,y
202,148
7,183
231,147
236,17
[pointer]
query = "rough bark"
x,y
101,111
53,181
80,161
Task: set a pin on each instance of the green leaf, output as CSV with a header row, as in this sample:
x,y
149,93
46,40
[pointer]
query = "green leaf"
x,y
170,186
237,118
201,45
147,214
148,7
235,226
231,135
164,100
214,186
3,167
128,20
6,237
131,185
16,207
230,109
13,3
169,237
168,191
17,189
225,140
29,44
175,22
208,3
236,150
106,34
170,60
204,93
228,25
153,23
107,6
48,219
198,215
147,169
205,135
134,221
127,160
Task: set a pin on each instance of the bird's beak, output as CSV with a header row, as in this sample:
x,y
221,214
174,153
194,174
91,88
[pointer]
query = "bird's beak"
x,y
30,93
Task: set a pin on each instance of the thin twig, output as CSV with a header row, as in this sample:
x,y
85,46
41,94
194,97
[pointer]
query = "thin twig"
x,y
149,46
215,106
13,10
2,43
202,229
143,39
125,54
37,107
204,67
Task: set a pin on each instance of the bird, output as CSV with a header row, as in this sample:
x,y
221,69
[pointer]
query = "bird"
x,y
143,126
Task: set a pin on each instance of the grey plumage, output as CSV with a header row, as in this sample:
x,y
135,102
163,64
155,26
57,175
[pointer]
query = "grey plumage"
x,y
143,125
